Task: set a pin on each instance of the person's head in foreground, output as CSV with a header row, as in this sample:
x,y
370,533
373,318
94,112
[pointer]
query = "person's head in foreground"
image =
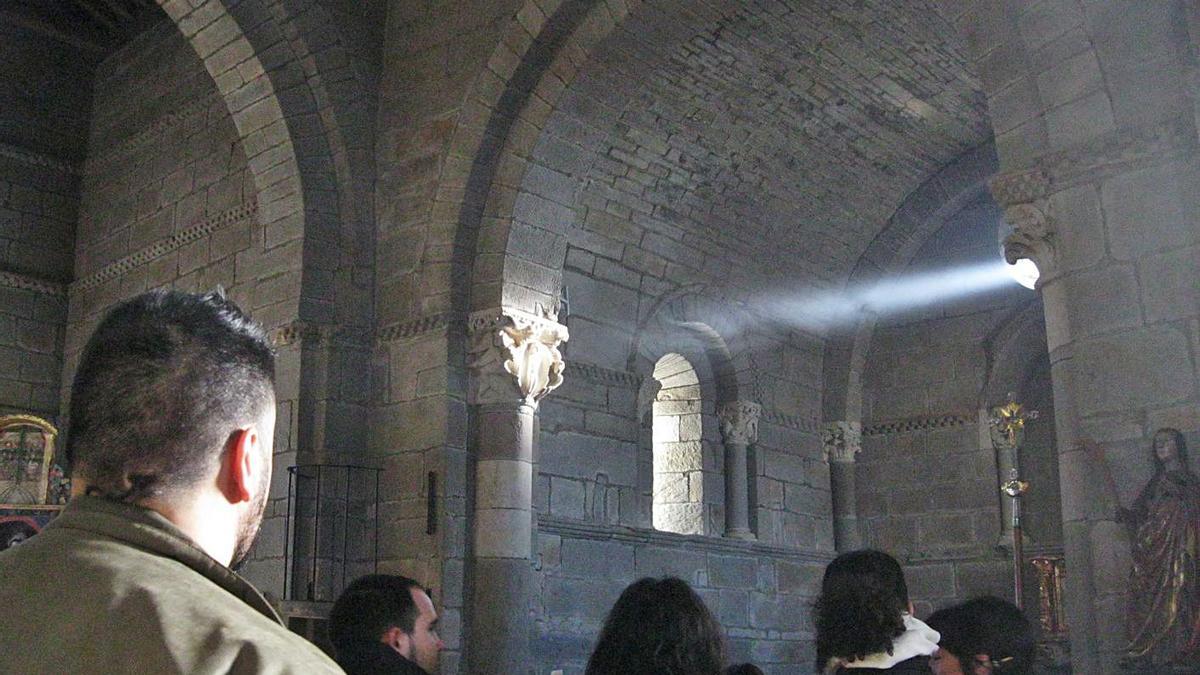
x,y
170,433
385,623
863,617
173,409
983,636
659,627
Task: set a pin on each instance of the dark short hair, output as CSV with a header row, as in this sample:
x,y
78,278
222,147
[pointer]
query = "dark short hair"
x,y
987,625
861,606
659,626
162,383
369,607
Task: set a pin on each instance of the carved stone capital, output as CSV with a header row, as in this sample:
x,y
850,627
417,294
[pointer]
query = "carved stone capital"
x,y
1019,187
1032,237
841,441
1023,194
739,421
513,357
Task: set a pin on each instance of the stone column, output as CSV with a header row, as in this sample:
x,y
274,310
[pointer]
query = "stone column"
x,y
514,361
1112,230
739,428
841,442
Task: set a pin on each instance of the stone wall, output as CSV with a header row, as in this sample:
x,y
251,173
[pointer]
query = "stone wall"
x,y
166,197
167,201
44,102
1094,108
928,477
761,595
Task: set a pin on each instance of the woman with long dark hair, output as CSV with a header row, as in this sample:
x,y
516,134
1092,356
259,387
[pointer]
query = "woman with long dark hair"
x,y
659,627
864,618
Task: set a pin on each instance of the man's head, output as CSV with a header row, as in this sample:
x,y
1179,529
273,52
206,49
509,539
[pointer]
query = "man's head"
x,y
388,609
173,402
983,636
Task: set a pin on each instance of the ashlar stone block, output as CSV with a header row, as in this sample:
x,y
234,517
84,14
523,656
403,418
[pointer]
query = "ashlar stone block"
x,y
1148,210
1150,375
670,488
676,457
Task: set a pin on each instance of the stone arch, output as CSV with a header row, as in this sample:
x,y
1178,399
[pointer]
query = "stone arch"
x,y
305,183
672,333
1012,351
1019,363
539,53
922,214
275,86
254,106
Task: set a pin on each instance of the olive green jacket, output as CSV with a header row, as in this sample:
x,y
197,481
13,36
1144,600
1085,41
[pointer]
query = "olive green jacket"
x,y
113,588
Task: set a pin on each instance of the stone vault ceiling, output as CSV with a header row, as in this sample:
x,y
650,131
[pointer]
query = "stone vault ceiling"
x,y
783,134
96,27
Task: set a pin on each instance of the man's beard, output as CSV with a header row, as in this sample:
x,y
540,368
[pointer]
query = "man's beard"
x,y
249,523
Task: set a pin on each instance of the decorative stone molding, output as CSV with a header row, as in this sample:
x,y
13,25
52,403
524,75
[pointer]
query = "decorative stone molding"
x,y
204,228
1019,187
427,324
27,283
606,376
841,441
37,159
919,424
299,332
120,151
796,422
514,357
739,421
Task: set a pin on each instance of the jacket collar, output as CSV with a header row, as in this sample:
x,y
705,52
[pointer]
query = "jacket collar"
x,y
375,658
918,639
150,531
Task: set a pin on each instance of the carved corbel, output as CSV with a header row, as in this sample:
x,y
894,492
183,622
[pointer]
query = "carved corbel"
x,y
739,422
1023,195
841,441
514,357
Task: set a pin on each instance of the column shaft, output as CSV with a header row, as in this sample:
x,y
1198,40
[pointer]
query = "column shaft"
x,y
737,492
845,506
502,558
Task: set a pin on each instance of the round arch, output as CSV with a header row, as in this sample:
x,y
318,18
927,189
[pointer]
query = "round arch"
x,y
921,215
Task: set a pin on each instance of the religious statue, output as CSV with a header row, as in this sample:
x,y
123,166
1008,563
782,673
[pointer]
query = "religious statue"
x,y
1164,523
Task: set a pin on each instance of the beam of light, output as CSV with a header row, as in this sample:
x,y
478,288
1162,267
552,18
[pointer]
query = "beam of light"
x,y
825,310
1024,272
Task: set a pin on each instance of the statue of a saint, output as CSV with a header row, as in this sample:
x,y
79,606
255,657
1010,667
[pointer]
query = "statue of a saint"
x,y
1164,523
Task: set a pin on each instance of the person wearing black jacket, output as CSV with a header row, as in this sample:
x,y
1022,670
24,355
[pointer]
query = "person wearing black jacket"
x,y
385,624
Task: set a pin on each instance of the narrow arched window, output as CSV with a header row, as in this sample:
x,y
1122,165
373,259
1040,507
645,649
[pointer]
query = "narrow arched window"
x,y
678,450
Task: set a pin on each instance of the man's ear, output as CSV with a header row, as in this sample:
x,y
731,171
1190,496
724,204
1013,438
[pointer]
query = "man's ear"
x,y
398,640
983,665
241,464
